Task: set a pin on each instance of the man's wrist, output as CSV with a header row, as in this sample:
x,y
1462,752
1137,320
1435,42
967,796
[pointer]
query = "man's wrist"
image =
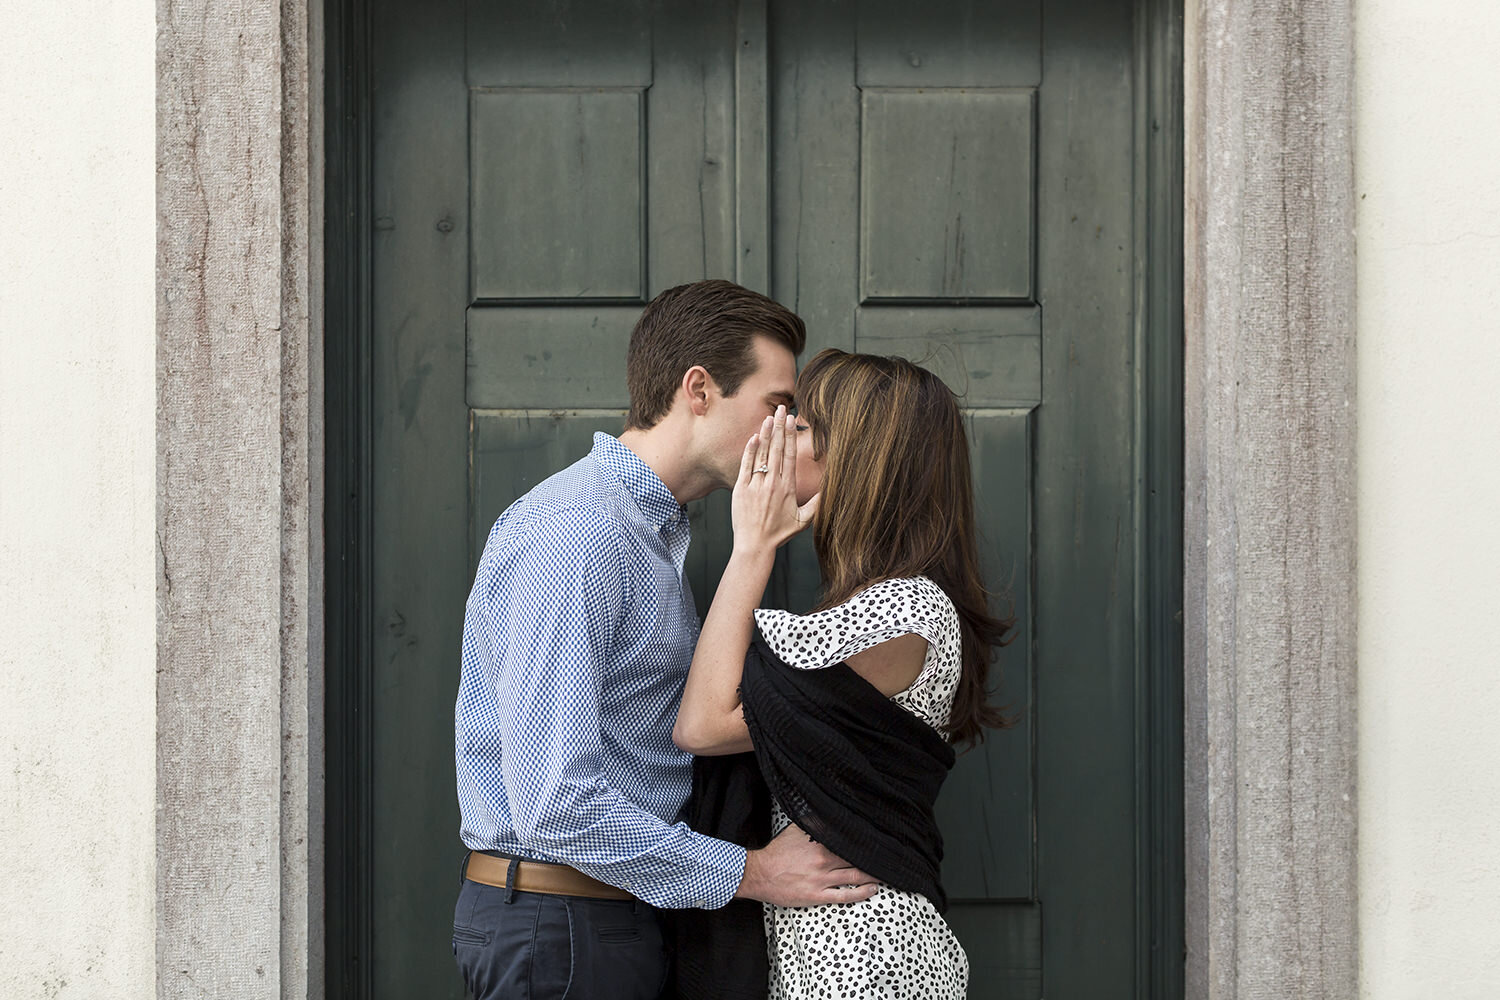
x,y
750,881
719,875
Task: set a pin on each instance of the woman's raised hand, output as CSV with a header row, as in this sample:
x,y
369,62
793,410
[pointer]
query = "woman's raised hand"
x,y
764,508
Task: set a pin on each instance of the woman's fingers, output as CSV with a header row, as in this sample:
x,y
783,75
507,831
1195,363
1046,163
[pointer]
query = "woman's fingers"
x,y
809,510
747,460
763,449
773,454
778,443
789,456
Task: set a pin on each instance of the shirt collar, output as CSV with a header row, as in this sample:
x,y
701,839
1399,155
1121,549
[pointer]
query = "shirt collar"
x,y
645,486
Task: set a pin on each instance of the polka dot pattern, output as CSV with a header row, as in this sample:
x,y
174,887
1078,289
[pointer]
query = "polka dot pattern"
x,y
895,944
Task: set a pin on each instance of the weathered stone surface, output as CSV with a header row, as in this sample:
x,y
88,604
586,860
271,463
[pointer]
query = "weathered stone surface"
x,y
1270,532
239,593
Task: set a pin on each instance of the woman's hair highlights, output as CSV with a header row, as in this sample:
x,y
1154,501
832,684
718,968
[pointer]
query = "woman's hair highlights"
x,y
898,501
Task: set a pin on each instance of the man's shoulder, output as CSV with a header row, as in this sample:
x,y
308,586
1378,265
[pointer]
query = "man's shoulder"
x,y
575,504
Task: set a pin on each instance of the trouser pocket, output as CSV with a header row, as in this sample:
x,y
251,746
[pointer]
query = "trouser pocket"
x,y
520,948
619,950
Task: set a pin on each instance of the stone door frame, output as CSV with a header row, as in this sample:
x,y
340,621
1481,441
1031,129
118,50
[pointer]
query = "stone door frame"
x,y
1268,520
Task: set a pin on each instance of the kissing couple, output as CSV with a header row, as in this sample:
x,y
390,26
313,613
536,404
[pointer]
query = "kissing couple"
x,y
742,806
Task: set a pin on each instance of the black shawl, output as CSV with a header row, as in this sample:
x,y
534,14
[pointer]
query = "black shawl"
x,y
857,772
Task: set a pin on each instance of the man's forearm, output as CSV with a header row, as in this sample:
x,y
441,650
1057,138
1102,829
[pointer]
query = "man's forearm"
x,y
610,838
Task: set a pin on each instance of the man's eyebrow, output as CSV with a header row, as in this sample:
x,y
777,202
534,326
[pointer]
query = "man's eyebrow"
x,y
782,397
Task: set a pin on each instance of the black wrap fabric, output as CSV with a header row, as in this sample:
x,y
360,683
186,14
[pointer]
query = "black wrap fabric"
x,y
859,773
722,953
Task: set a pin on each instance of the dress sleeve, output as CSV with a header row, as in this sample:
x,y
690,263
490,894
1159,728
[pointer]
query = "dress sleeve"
x,y
879,613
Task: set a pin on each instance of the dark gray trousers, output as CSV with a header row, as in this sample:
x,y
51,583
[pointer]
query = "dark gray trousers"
x,y
535,946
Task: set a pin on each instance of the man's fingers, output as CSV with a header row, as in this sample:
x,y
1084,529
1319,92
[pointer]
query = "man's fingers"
x,y
795,870
848,875
849,894
840,872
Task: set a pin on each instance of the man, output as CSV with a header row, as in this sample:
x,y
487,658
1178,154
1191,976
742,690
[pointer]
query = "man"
x,y
578,635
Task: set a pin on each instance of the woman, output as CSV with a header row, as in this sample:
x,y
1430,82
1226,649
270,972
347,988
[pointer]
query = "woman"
x,y
877,462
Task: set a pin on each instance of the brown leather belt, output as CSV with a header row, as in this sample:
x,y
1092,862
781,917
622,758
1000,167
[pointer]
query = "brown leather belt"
x,y
533,876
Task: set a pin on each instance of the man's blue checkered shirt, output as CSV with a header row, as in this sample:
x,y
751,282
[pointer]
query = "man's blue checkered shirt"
x,y
578,635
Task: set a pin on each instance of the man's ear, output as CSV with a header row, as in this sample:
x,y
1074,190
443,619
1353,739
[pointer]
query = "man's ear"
x,y
696,385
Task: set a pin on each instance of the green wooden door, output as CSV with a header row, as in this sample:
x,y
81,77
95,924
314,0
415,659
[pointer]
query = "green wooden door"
x,y
951,181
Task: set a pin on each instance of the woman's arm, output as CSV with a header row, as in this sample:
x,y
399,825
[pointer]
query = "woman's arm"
x,y
711,721
765,513
891,666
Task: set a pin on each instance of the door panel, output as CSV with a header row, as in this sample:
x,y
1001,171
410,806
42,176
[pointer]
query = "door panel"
x,y
556,185
1086,503
418,470
930,157
949,181
909,225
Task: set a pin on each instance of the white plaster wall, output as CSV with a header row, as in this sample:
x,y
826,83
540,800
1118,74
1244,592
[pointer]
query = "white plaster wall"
x,y
1428,174
77,499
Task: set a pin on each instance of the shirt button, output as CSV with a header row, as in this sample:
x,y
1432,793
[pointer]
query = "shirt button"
x,y
700,904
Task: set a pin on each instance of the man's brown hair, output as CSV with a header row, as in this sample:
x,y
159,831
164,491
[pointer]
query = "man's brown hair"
x,y
898,501
710,323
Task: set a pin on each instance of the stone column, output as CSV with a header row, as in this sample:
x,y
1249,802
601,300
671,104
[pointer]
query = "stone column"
x,y
1270,519
239,515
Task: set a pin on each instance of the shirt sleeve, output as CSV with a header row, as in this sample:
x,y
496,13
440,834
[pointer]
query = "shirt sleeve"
x,y
558,610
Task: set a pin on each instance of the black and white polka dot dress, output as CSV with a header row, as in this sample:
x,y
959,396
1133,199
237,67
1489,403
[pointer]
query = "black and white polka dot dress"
x,y
894,944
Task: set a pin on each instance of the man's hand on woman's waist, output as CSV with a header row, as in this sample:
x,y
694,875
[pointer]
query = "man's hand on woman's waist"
x,y
795,870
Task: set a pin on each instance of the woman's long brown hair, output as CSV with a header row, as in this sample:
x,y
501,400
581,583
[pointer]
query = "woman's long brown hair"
x,y
898,501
